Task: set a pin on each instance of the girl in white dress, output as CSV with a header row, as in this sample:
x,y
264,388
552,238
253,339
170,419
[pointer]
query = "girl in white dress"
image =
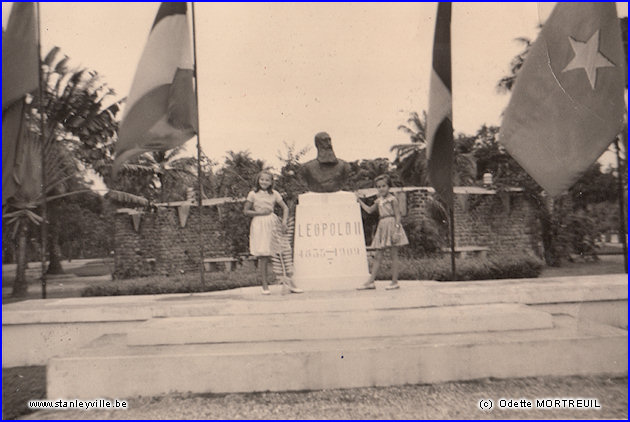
x,y
260,205
389,232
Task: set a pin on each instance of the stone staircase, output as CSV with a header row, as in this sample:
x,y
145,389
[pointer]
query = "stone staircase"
x,y
426,332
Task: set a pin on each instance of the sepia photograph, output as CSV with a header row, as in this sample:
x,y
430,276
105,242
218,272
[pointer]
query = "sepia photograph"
x,y
310,210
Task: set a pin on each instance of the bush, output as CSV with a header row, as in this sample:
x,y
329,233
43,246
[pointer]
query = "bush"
x,y
494,267
439,268
185,283
425,239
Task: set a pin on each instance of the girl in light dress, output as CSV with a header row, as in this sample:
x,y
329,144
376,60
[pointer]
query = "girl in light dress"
x,y
263,244
389,232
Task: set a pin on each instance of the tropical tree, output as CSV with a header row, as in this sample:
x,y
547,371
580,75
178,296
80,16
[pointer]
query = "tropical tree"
x,y
506,83
288,183
158,176
70,129
237,175
411,158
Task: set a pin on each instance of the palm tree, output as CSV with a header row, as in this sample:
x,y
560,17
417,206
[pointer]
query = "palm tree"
x,y
158,175
507,82
69,127
411,158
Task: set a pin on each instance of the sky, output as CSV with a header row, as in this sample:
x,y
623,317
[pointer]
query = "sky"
x,y
276,74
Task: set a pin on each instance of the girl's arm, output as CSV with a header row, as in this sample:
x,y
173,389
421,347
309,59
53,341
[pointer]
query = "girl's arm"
x,y
285,212
249,211
367,208
396,211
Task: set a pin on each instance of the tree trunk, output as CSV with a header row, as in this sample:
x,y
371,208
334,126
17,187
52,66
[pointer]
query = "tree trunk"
x,y
54,252
20,285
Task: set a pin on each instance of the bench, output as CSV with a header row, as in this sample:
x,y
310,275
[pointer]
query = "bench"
x,y
468,251
211,264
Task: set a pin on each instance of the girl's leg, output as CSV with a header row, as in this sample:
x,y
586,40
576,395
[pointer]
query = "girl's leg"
x,y
395,269
378,259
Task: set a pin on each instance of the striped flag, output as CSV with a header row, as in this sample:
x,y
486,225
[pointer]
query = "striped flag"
x,y
568,101
20,76
161,111
440,117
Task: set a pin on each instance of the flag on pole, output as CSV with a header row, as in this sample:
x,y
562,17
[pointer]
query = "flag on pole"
x,y
161,111
20,76
440,117
568,101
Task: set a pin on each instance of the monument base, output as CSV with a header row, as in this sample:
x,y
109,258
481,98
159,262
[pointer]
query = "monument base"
x,y
331,283
329,249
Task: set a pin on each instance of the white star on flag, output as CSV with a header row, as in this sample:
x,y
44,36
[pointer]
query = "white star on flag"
x,y
588,57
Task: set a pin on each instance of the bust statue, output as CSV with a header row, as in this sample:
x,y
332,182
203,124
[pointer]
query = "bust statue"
x,y
326,173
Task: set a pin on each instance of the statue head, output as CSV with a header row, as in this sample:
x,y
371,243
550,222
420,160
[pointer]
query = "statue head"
x,y
325,153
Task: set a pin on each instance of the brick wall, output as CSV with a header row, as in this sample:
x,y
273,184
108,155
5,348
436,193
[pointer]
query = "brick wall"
x,y
161,238
501,222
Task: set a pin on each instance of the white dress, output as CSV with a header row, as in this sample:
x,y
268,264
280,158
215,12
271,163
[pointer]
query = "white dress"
x,y
262,227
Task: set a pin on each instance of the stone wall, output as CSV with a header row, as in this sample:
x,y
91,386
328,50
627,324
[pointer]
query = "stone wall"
x,y
503,222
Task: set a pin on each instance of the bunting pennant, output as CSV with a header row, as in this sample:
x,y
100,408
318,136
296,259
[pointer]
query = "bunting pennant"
x,y
182,212
161,110
440,116
568,101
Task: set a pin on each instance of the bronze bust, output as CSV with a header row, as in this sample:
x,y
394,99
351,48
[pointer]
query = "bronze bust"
x,y
326,173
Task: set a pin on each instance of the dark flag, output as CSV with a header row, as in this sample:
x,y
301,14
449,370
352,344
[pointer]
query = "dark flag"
x,y
20,76
440,117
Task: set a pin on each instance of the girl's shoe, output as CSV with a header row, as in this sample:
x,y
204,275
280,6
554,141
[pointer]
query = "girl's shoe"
x,y
393,287
369,286
287,284
266,292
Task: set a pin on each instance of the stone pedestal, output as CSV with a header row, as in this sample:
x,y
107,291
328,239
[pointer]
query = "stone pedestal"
x,y
329,248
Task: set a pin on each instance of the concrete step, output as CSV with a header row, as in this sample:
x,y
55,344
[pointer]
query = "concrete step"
x,y
339,325
111,368
33,331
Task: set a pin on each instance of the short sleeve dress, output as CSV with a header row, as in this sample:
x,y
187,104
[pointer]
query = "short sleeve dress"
x,y
387,235
261,239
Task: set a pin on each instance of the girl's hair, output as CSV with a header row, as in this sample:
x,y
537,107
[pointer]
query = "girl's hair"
x,y
257,187
384,177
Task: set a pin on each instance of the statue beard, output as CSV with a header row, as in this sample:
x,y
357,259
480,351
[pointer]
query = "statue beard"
x,y
326,156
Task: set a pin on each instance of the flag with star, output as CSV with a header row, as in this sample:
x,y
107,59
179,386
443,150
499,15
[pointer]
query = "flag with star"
x,y
568,101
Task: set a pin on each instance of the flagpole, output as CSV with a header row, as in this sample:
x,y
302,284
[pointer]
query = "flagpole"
x,y
44,229
452,217
622,226
202,269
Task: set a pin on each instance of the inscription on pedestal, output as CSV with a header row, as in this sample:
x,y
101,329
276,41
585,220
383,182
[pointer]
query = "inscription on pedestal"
x,y
329,248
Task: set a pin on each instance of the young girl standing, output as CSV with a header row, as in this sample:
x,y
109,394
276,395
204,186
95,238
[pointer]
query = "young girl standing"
x,y
260,204
389,232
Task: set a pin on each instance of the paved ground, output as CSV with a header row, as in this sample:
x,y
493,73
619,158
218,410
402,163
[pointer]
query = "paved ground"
x,y
439,401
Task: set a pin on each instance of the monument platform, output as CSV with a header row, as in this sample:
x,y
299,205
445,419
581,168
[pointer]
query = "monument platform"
x,y
239,340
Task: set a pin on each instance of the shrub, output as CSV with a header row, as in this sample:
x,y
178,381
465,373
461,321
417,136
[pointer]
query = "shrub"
x,y
184,283
494,267
491,268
